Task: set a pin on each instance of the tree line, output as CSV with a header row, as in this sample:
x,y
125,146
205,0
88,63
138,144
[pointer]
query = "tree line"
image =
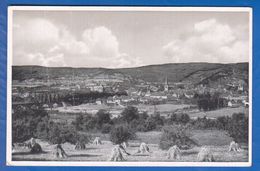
x,y
207,101
34,122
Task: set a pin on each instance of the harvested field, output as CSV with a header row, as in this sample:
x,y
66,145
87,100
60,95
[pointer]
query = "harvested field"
x,y
217,141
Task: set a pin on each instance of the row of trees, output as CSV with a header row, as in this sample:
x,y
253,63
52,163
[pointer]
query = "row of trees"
x,y
86,97
209,102
74,98
130,116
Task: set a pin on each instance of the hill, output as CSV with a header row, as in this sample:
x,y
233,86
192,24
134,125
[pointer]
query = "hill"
x,y
195,73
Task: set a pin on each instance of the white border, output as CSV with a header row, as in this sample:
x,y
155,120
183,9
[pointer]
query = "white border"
x,y
9,161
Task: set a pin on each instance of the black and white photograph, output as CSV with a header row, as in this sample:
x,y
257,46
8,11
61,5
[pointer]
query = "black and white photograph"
x,y
129,86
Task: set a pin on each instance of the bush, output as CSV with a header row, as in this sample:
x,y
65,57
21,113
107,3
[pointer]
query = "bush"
x,y
61,133
150,124
88,122
141,128
83,138
143,116
238,127
42,130
28,122
223,122
153,122
175,135
79,122
106,128
205,123
120,134
139,124
103,117
129,113
85,122
182,118
207,101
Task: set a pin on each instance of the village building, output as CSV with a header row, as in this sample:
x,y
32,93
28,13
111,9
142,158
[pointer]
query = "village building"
x,y
144,100
230,104
116,99
153,88
97,88
98,101
159,95
176,95
110,100
126,99
189,95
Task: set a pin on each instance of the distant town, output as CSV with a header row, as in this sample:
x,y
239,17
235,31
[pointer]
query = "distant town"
x,y
61,92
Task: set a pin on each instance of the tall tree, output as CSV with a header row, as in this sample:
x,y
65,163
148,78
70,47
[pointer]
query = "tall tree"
x,y
129,113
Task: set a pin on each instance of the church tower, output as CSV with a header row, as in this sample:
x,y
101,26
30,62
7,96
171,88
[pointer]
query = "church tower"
x,y
166,85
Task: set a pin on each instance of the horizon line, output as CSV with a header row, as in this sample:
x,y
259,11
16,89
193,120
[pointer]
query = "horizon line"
x,y
127,67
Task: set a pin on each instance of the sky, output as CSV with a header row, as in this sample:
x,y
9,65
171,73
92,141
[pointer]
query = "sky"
x,y
120,39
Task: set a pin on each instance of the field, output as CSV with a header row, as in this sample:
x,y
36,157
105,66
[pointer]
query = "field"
x,y
93,108
217,141
69,113
220,112
162,108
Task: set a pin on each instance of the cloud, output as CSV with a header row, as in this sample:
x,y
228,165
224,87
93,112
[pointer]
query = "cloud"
x,y
69,45
40,59
38,33
101,42
210,41
40,42
126,61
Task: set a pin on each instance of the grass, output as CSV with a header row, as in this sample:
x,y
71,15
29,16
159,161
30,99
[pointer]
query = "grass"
x,y
219,112
202,137
69,114
211,137
63,117
152,137
163,108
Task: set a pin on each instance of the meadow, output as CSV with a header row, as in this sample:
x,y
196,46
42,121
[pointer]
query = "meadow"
x,y
69,114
